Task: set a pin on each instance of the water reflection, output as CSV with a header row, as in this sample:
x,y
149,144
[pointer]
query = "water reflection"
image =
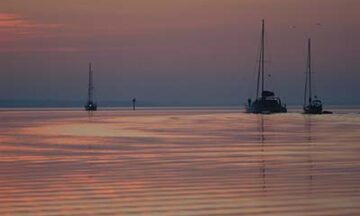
x,y
308,126
261,129
90,114
192,162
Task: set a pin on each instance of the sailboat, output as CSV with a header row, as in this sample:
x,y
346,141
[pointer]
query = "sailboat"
x,y
267,102
311,106
90,104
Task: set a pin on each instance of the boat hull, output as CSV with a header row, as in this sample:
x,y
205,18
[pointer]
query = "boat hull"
x,y
313,111
266,107
316,112
315,107
90,107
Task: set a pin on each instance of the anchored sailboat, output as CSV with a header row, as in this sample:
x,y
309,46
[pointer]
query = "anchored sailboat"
x,y
311,106
90,104
266,103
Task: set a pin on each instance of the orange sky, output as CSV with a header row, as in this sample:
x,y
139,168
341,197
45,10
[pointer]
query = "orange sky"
x,y
175,51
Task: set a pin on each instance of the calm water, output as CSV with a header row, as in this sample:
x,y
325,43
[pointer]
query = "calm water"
x,y
179,162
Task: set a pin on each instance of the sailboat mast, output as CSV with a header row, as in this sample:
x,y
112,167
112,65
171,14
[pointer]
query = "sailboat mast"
x,y
263,55
258,77
306,82
309,69
261,61
90,87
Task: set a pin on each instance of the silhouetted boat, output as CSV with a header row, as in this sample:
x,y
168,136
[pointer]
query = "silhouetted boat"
x,y
90,104
311,106
267,103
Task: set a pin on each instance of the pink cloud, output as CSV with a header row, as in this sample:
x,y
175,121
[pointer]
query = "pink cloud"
x,y
8,20
14,27
46,49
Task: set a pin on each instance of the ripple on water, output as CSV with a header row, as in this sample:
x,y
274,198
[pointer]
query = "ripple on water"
x,y
178,162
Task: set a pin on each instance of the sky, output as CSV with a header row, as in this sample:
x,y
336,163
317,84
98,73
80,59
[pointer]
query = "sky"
x,y
177,52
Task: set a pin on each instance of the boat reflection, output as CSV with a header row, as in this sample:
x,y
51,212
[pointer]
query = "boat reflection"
x,y
261,129
308,127
213,162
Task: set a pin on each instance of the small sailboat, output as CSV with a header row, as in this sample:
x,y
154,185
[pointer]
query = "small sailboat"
x,y
267,102
311,106
90,104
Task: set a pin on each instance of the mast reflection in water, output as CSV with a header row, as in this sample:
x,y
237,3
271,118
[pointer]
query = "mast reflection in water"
x,y
178,162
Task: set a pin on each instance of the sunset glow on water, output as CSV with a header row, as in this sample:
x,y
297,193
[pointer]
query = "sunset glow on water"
x,y
178,162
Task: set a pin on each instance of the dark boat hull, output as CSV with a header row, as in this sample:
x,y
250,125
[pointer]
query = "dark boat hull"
x,y
313,110
90,107
316,111
315,107
266,107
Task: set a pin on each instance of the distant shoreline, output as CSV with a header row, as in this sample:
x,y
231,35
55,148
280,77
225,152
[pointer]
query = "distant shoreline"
x,y
291,109
72,104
